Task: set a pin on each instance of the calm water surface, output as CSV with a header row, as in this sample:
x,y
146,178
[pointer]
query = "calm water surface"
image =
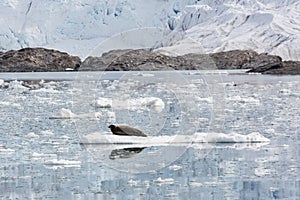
x,y
41,156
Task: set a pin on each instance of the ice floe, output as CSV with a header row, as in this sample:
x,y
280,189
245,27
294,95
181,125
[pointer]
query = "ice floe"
x,y
63,162
104,138
68,114
164,181
145,103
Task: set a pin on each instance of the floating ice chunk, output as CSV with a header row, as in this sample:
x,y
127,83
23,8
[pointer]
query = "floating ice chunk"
x,y
5,103
152,103
6,151
195,184
68,114
211,137
244,100
32,135
164,181
103,103
133,182
1,82
144,74
17,85
47,132
262,171
145,103
234,137
175,167
43,155
63,162
285,91
51,90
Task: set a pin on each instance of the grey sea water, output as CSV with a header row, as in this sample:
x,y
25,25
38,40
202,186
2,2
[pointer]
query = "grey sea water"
x,y
45,115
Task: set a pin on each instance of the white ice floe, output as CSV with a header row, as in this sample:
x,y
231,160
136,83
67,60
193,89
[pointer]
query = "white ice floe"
x,y
164,181
67,163
134,182
175,167
195,184
103,103
5,103
32,135
145,103
240,99
68,114
6,150
47,132
17,86
104,138
36,155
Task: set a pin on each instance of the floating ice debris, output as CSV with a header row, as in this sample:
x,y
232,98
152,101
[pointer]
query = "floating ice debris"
x,y
235,138
152,103
43,155
68,114
144,74
164,181
63,162
195,184
17,85
145,103
47,132
244,100
5,103
32,135
175,167
133,182
6,151
103,103
1,82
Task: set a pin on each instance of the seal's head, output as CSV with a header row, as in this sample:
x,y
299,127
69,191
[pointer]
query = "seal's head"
x,y
112,127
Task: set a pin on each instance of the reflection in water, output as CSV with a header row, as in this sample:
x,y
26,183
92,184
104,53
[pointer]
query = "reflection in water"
x,y
125,153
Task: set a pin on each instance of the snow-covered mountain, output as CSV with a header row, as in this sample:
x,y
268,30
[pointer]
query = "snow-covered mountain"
x,y
91,27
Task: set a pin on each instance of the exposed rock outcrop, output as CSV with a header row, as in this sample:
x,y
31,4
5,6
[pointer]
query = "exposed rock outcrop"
x,y
45,60
129,60
285,68
37,60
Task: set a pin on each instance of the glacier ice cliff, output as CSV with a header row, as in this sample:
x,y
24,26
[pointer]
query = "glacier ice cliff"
x,y
81,26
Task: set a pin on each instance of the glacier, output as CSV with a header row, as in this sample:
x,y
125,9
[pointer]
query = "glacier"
x,y
91,27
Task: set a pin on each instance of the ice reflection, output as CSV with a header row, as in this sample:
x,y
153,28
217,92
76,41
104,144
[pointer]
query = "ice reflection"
x,y
215,172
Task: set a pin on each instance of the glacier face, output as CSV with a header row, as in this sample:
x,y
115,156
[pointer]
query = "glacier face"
x,y
81,26
77,26
270,26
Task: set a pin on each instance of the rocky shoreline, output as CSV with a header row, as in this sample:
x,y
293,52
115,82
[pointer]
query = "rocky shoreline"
x,y
47,60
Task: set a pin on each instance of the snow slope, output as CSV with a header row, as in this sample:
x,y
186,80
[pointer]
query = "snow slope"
x,y
271,26
89,27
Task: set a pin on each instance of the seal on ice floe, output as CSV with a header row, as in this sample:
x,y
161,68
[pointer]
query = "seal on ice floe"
x,y
126,130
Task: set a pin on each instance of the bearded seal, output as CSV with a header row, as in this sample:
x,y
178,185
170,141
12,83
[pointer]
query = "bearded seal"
x,y
126,131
